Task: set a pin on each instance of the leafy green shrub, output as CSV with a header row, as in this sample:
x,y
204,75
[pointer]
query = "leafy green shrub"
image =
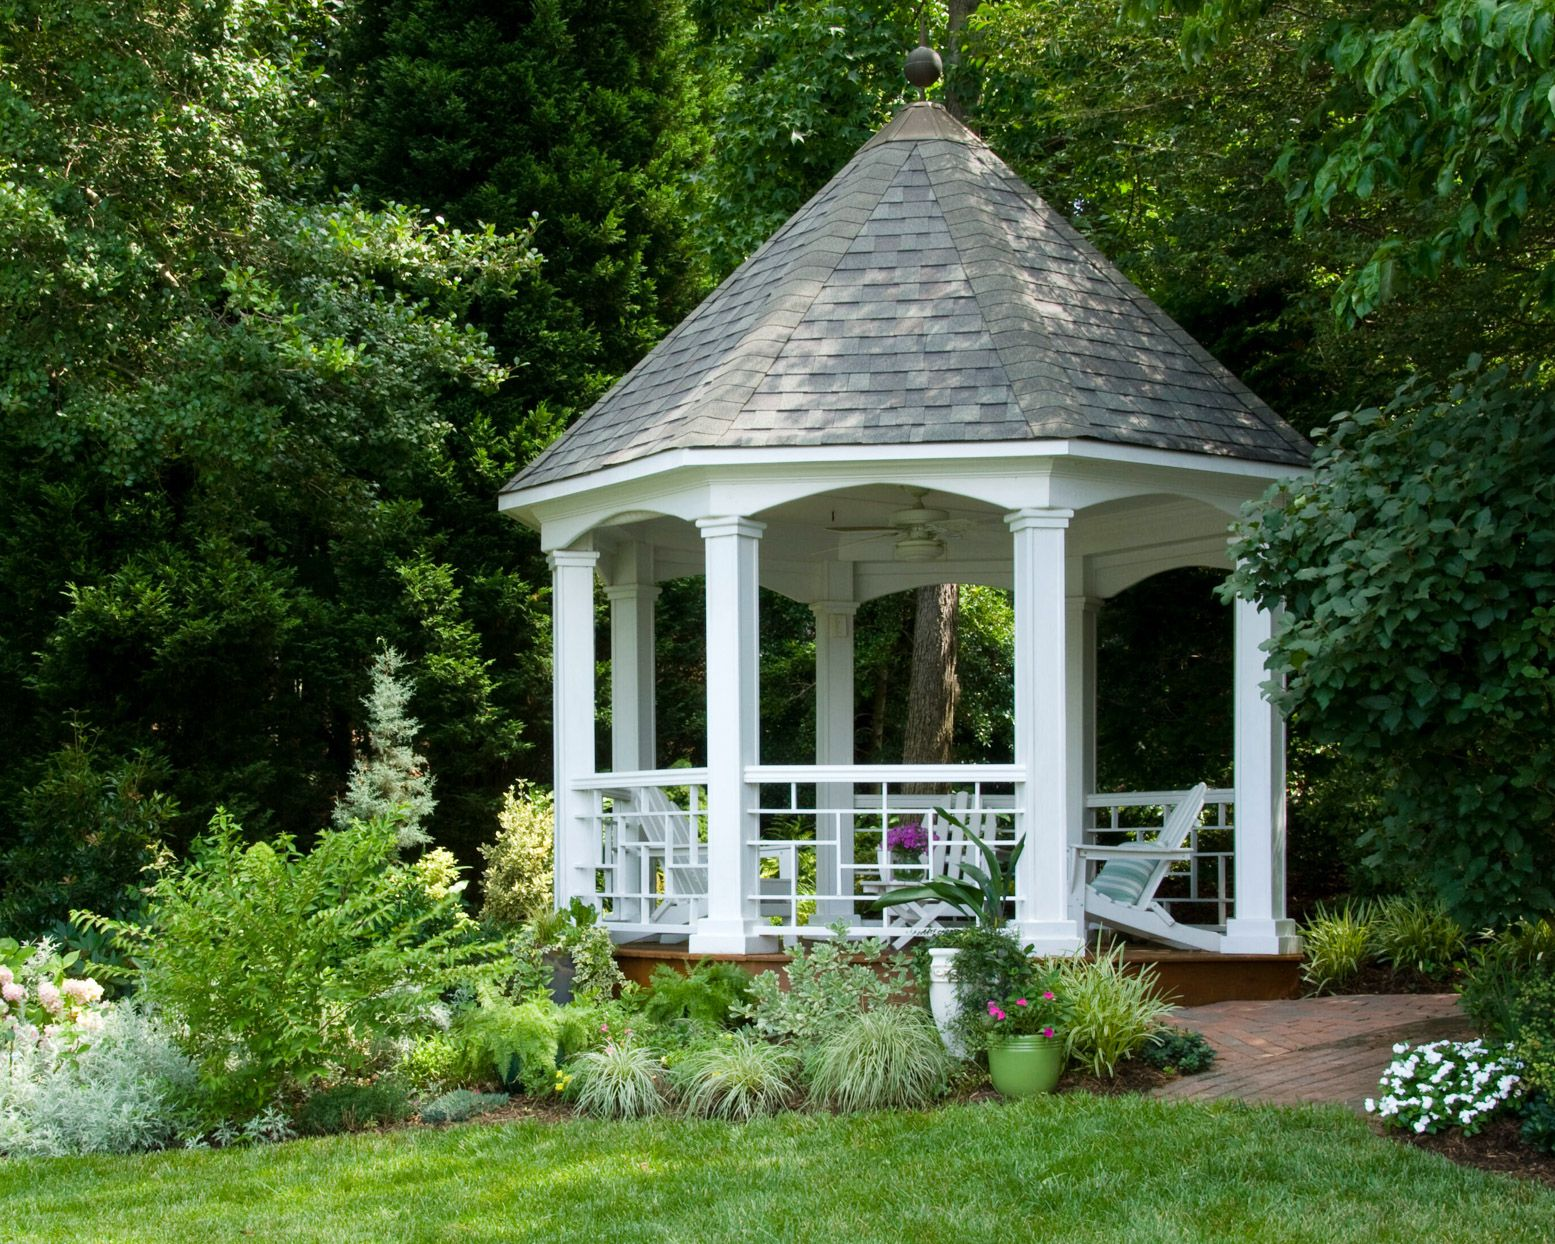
x,y
1533,1029
353,1108
1178,1049
739,1077
512,1043
828,984
891,1057
127,1090
518,876
1538,1129
1413,936
709,994
461,1104
1497,970
620,1081
430,1063
280,967
1112,1012
1337,942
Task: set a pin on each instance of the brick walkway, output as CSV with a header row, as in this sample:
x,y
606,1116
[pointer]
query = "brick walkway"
x,y
1311,1049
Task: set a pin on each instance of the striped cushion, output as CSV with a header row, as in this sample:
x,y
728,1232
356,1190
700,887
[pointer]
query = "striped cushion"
x,y
1124,881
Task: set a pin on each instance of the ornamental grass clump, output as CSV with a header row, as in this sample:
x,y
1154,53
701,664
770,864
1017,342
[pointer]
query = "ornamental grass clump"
x,y
1413,936
1447,1084
738,1078
1112,1012
1338,943
890,1058
620,1081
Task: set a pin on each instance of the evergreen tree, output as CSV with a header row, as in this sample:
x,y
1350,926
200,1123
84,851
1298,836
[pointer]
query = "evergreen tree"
x,y
390,780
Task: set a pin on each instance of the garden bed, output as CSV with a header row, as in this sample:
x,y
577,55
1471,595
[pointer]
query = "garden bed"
x,y
1500,1148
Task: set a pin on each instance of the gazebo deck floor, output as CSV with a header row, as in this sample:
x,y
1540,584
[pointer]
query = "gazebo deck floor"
x,y
1189,977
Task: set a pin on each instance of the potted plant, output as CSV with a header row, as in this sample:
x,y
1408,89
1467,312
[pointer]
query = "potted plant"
x,y
1025,1042
982,894
905,844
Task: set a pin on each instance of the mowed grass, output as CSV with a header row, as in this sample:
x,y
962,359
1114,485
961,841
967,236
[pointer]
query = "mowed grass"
x,y
1069,1168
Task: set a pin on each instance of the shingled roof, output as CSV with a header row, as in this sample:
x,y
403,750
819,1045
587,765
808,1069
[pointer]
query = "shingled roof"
x,y
926,294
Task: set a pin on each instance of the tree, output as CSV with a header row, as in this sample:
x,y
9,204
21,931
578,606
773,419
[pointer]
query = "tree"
x,y
1416,569
389,781
221,386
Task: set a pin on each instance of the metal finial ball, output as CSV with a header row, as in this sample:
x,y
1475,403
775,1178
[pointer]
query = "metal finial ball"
x,y
924,67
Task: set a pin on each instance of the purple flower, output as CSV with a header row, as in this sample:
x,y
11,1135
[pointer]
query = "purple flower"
x,y
909,836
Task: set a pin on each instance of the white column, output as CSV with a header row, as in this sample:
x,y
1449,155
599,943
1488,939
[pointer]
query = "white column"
x,y
834,746
1041,735
730,547
632,737
1080,728
1260,926
572,716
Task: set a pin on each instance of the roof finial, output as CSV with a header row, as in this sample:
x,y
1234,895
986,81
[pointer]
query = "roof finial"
x,y
923,68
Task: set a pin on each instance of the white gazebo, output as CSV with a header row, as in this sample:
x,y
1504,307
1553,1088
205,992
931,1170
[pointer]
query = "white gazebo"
x,y
929,355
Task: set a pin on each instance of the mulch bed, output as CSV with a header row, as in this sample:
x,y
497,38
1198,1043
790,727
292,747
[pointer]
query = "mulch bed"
x,y
1375,978
1499,1148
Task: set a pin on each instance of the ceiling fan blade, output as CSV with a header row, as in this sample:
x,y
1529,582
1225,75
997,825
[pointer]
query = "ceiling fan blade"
x,y
882,530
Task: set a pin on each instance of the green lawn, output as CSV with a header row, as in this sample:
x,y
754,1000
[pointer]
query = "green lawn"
x,y
1069,1168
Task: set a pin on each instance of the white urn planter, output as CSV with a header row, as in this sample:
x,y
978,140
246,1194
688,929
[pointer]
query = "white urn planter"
x,y
942,996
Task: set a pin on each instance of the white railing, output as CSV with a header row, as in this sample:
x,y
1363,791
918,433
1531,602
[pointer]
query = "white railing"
x,y
820,849
823,847
650,876
1193,886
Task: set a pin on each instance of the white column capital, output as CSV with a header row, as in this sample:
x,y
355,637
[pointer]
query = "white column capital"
x,y
1026,520
730,525
576,558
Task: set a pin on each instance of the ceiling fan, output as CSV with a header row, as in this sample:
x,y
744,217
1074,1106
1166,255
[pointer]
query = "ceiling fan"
x,y
920,529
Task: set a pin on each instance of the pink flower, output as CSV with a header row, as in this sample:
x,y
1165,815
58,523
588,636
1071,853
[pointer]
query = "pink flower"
x,y
12,992
1047,1032
84,990
5,975
1048,996
49,999
1020,1001
604,1027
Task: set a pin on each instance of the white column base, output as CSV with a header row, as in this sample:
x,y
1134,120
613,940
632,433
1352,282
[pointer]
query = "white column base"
x,y
1051,937
1261,937
720,937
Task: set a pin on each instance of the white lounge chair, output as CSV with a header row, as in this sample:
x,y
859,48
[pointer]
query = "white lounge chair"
x,y
1122,892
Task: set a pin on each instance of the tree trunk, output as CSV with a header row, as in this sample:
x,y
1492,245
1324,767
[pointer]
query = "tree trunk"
x,y
958,11
933,687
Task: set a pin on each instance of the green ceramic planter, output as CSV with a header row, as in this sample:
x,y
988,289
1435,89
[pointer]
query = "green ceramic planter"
x,y
1025,1066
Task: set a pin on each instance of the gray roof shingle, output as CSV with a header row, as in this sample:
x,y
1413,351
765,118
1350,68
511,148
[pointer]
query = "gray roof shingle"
x,y
925,294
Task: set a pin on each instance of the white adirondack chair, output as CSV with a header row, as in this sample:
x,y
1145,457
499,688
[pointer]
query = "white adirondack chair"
x,y
949,849
656,834
1122,891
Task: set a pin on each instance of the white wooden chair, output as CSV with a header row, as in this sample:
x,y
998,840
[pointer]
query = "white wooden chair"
x,y
948,850
1122,892
654,835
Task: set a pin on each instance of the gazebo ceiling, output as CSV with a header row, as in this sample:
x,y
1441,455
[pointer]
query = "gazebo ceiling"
x,y
925,295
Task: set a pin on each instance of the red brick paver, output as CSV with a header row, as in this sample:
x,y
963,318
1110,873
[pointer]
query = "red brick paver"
x,y
1311,1049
